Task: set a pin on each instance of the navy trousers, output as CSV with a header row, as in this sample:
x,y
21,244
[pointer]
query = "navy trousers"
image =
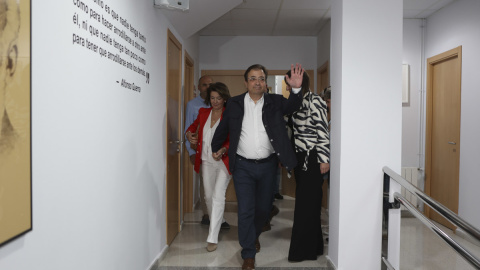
x,y
254,183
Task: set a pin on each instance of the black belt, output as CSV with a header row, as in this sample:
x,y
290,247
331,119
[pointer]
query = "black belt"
x,y
262,160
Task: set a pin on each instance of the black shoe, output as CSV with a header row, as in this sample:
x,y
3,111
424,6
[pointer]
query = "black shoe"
x,y
205,220
274,211
278,196
225,226
267,227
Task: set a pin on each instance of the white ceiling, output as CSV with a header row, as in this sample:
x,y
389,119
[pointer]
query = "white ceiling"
x,y
270,17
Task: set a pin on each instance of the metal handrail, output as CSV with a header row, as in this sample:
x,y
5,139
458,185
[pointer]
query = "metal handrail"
x,y
442,210
474,261
438,207
387,263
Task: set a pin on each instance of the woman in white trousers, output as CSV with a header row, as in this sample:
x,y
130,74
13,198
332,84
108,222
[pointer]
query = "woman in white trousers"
x,y
215,183
216,175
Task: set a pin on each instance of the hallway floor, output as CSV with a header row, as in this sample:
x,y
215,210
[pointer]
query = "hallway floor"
x,y
420,248
188,249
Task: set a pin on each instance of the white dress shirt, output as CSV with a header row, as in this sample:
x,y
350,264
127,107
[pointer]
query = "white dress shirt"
x,y
254,142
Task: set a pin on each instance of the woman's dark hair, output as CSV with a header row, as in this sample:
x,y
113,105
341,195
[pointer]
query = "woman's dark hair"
x,y
221,89
305,82
255,67
327,93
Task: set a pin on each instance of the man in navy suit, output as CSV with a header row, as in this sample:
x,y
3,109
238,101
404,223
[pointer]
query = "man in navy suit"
x,y
254,123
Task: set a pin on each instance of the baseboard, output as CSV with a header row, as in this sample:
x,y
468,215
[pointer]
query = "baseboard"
x,y
462,234
156,263
330,263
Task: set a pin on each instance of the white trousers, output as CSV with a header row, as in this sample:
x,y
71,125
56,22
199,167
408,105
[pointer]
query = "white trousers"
x,y
215,183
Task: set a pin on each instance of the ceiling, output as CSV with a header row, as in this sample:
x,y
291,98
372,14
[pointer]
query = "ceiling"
x,y
270,17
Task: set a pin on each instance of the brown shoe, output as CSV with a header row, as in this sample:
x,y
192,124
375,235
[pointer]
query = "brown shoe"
x,y
274,211
248,264
266,227
257,245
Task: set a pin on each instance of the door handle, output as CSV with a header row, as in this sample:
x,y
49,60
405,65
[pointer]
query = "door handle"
x,y
177,142
452,143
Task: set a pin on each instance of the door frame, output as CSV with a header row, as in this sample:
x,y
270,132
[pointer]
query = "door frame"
x,y
456,52
188,93
171,234
322,69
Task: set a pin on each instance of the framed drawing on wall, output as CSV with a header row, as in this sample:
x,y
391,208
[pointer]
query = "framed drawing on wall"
x,y
15,119
405,83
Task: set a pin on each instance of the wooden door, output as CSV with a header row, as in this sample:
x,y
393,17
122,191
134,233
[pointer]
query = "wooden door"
x,y
323,77
188,182
174,77
442,151
288,183
232,78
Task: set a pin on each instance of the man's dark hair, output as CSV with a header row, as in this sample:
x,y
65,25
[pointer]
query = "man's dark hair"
x,y
255,67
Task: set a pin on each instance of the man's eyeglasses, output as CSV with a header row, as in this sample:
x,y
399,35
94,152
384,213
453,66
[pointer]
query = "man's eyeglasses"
x,y
259,79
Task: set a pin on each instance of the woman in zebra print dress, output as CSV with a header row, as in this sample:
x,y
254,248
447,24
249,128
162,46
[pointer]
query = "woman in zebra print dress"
x,y
310,137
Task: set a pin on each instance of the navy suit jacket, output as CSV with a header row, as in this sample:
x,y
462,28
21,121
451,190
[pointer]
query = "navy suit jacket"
x,y
274,108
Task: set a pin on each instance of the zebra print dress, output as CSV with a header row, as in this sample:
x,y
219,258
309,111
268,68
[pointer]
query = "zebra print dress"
x,y
310,128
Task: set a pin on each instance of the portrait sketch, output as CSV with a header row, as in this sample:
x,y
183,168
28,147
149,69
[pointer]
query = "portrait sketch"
x,y
15,119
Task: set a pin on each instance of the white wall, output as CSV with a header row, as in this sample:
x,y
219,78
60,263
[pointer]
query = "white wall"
x,y
412,55
98,148
362,139
275,53
191,46
323,48
453,26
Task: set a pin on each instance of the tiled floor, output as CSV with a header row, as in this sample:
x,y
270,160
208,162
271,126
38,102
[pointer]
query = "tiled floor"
x,y
188,249
420,247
